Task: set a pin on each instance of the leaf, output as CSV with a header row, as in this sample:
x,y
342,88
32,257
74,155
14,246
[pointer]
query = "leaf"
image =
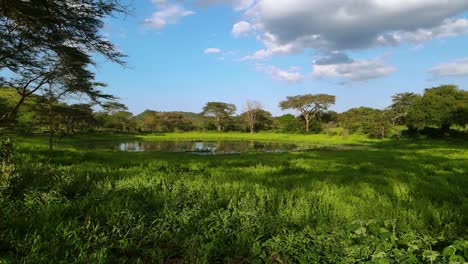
x,y
449,251
374,229
456,258
360,231
353,227
410,259
385,235
430,255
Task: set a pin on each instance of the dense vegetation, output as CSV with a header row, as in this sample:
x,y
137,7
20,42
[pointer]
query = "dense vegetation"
x,y
392,202
439,108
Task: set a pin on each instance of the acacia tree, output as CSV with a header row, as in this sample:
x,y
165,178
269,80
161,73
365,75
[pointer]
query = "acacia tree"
x,y
308,105
63,84
32,33
220,111
252,109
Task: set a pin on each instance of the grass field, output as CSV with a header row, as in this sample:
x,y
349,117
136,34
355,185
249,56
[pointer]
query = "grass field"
x,y
393,202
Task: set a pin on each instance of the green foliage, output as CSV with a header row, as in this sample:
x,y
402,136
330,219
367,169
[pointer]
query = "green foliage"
x,y
390,202
220,112
309,105
441,107
373,122
47,42
288,124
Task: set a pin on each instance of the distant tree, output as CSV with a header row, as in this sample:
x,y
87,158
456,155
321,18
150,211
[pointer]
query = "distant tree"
x,y
401,105
250,116
37,34
172,121
443,105
288,123
76,117
373,122
265,121
308,105
61,85
220,111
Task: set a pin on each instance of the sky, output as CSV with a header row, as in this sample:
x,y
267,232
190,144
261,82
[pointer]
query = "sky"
x,y
182,54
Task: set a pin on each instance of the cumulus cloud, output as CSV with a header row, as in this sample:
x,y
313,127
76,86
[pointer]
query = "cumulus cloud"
x,y
353,70
294,25
457,67
241,28
291,75
212,50
167,13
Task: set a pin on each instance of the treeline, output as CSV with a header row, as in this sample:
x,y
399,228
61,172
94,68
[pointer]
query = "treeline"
x,y
437,109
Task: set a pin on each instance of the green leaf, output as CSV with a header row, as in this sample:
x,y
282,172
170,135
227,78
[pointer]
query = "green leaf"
x,y
456,258
353,227
360,231
430,255
410,259
374,229
449,251
385,235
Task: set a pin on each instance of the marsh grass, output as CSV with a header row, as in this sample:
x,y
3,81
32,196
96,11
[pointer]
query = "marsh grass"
x,y
389,203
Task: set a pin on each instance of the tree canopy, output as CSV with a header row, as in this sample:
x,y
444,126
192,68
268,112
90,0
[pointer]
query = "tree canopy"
x,y
220,111
308,105
43,39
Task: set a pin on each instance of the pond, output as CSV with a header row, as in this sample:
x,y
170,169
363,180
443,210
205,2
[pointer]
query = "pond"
x,y
198,147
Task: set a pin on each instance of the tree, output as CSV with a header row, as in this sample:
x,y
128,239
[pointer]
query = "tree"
x,y
443,104
441,107
37,34
62,84
112,107
308,105
373,122
220,111
250,116
288,124
264,121
173,121
401,105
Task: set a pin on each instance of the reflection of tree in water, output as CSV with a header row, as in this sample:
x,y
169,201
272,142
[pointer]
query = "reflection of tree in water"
x,y
219,146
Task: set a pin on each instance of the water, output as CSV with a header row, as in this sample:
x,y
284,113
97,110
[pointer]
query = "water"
x,y
198,147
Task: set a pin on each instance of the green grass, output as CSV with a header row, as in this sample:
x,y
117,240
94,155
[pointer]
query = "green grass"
x,y
392,202
266,136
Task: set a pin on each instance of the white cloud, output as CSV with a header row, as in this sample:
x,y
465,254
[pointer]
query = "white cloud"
x,y
294,25
167,13
457,67
241,28
291,75
212,50
236,4
272,48
354,71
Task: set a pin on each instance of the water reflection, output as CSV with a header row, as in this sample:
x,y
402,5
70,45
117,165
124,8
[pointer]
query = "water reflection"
x,y
207,147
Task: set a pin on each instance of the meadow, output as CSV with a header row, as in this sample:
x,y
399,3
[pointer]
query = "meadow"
x,y
395,201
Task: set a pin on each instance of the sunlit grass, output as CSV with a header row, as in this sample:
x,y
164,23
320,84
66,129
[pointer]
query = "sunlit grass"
x,y
75,205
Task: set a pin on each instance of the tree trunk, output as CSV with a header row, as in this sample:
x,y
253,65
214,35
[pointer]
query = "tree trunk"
x,y
51,126
307,124
218,124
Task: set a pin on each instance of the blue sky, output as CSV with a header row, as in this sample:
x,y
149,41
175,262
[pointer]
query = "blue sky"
x,y
182,54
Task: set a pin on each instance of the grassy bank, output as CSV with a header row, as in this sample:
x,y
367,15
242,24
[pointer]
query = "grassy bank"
x,y
390,203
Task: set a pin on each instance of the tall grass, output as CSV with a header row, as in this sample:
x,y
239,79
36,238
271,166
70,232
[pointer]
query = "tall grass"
x,y
389,203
